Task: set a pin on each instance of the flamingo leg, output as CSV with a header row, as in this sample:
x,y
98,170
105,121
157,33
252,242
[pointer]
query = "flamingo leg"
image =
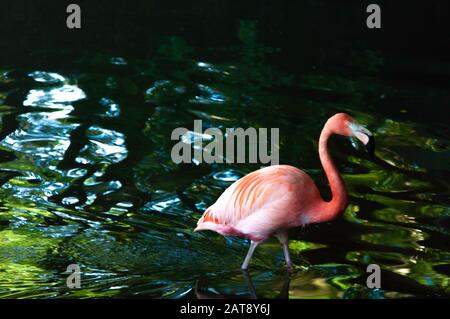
x,y
250,285
284,293
253,245
283,238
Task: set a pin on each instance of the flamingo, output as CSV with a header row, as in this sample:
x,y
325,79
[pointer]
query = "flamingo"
x,y
269,201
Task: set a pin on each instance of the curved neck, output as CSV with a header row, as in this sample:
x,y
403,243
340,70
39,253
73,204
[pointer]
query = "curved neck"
x,y
339,193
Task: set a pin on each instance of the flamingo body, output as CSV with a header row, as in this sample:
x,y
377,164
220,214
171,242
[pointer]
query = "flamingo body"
x,y
262,203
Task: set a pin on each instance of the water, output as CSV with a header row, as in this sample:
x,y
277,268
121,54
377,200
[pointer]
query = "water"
x,y
87,178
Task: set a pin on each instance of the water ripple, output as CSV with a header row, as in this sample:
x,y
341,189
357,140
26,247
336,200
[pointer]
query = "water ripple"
x,y
54,97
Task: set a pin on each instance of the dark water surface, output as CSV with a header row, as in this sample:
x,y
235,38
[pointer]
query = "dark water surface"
x,y
86,176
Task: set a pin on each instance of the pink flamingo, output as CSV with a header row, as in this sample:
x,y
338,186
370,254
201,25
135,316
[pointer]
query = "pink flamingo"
x,y
273,199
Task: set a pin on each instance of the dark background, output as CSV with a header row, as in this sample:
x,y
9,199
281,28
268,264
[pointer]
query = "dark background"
x,y
300,29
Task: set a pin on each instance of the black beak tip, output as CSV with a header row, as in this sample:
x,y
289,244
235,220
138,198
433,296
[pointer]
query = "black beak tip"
x,y
370,146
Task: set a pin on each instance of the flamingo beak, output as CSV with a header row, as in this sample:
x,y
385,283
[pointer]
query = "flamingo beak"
x,y
365,136
370,146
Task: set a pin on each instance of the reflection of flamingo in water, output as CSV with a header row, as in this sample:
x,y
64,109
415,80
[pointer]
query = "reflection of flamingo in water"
x,y
273,199
284,292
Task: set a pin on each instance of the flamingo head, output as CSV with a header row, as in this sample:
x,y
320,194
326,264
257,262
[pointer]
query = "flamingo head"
x,y
344,124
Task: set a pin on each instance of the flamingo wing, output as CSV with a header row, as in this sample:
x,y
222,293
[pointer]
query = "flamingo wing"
x,y
254,193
